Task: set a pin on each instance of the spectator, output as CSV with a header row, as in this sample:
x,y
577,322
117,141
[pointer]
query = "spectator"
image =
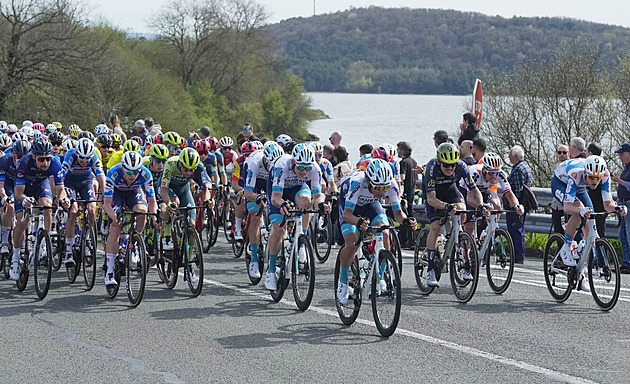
x,y
521,175
343,166
577,148
156,129
201,134
440,137
117,129
557,211
465,152
623,196
468,128
408,178
246,134
479,148
335,139
141,130
596,194
148,123
328,154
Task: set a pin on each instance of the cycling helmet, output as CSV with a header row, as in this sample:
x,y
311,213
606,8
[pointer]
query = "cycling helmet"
x,y
131,161
158,139
393,153
87,135
448,153
68,144
303,154
37,135
58,125
74,131
492,162
214,143
41,147
85,147
203,146
5,141
131,146
12,128
379,172
595,166
288,147
283,139
4,127
189,158
381,153
105,139
18,136
171,138
183,143
55,138
159,151
137,139
21,147
272,151
259,144
39,127
148,141
27,123
226,141
248,147
50,128
101,129
116,140
318,147
27,131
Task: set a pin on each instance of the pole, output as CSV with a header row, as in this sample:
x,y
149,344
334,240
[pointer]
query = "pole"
x,y
313,7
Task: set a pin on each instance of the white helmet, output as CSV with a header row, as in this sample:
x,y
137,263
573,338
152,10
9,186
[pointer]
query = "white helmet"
x,y
491,161
85,147
393,153
27,123
272,151
101,129
131,160
17,136
379,172
226,141
4,127
5,141
595,166
283,139
28,131
12,128
259,144
68,144
303,154
318,147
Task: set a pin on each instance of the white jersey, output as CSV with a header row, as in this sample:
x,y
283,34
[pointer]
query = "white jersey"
x,y
476,171
285,177
255,167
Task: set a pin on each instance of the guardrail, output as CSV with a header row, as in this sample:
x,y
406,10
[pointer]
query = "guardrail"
x,y
534,222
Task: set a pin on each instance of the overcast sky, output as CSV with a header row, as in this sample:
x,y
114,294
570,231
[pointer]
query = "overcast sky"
x,y
135,15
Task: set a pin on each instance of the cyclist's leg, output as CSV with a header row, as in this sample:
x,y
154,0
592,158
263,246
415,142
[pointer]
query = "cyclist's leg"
x,y
18,238
44,197
112,244
276,236
302,200
7,217
86,192
239,212
253,231
186,200
70,227
138,202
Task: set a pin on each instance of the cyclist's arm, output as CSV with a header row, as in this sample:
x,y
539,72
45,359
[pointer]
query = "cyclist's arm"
x,y
3,194
19,192
474,197
511,198
433,201
109,209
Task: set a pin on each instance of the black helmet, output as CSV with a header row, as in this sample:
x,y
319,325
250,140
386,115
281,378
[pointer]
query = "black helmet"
x,y
41,147
21,147
55,137
86,134
105,139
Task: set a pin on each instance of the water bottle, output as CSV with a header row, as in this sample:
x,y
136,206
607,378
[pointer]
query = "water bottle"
x,y
483,235
580,247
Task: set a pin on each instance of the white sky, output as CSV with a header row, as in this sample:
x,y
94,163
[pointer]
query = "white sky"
x,y
135,15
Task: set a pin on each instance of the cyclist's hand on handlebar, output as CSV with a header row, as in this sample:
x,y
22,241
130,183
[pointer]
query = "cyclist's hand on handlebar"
x,y
261,200
363,224
585,212
485,209
286,205
27,202
156,222
410,222
450,209
324,207
65,202
171,207
622,210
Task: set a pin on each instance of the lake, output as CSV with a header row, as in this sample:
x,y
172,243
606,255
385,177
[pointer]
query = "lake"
x,y
377,119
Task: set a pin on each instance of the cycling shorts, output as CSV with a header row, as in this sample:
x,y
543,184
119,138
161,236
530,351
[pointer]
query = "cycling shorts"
x,y
85,189
373,211
451,195
38,191
128,198
290,194
185,196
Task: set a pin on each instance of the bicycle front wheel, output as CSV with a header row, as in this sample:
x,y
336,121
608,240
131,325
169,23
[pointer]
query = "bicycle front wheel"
x,y
464,268
321,231
59,239
499,260
207,230
303,273
349,312
386,294
88,258
394,245
43,263
229,218
420,262
193,261
135,269
556,273
603,274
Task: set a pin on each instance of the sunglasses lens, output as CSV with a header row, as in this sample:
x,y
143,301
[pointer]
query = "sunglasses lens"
x,y
131,172
43,159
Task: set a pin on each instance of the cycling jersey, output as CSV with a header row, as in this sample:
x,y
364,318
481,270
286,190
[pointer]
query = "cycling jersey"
x,y
436,181
285,177
108,156
237,176
28,174
364,159
211,165
115,159
355,192
157,177
327,169
230,157
362,166
173,177
8,170
220,161
483,185
561,170
256,172
73,170
115,181
575,175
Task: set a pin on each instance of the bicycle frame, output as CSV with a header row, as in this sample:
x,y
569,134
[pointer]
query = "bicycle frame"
x,y
590,244
378,247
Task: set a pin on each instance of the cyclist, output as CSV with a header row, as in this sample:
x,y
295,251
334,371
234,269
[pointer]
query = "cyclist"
x,y
128,146
80,166
287,187
171,140
284,140
238,183
208,158
127,184
8,170
56,139
178,172
5,142
50,128
214,148
154,162
569,183
74,130
105,150
325,166
359,207
28,132
32,185
116,142
4,127
229,155
442,175
11,130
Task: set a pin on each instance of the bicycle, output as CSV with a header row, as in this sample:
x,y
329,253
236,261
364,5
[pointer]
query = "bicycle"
x,y
206,222
57,236
596,255
229,218
384,281
131,258
84,247
394,242
496,254
295,262
188,254
36,253
459,250
262,245
321,232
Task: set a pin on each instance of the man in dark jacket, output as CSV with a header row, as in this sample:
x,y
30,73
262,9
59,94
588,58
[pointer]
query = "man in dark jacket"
x,y
468,128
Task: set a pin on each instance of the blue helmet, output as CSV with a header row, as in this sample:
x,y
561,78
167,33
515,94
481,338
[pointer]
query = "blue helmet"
x,y
41,147
21,147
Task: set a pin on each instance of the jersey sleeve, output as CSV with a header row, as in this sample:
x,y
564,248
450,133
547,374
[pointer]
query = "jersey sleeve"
x,y
315,176
67,159
606,196
108,193
279,176
97,167
352,196
394,196
465,175
56,171
148,182
236,173
168,173
3,171
503,182
250,178
202,176
430,175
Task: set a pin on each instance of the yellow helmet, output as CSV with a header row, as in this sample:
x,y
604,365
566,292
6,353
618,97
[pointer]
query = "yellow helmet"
x,y
189,158
448,153
131,146
159,151
171,138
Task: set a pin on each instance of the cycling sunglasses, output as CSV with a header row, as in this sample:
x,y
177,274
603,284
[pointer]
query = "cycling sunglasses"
x,y
173,147
381,188
84,158
304,167
493,173
598,178
43,159
159,161
202,153
132,172
449,165
104,146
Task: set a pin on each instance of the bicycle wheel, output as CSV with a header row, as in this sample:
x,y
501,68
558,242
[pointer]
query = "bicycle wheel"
x,y
73,271
349,312
499,260
603,275
421,262
42,263
556,273
59,239
135,269
88,258
394,247
207,231
303,273
167,266
6,265
321,231
229,217
193,261
239,245
463,261
281,276
386,294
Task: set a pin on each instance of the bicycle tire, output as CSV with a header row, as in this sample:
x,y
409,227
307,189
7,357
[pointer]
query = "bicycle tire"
x,y
88,258
605,272
466,247
59,241
135,269
386,325
207,229
349,312
216,222
167,266
42,264
229,219
22,281
420,262
239,245
499,260
193,261
394,246
559,288
303,276
6,265
72,272
322,252
281,276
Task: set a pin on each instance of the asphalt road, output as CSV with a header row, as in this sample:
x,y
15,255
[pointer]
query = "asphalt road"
x,y
234,332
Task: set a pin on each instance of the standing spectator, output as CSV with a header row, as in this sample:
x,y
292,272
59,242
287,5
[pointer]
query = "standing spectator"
x,y
408,178
335,139
343,166
557,211
596,194
623,196
117,129
202,134
246,134
577,148
440,137
148,123
479,148
141,130
328,154
521,175
468,128
465,152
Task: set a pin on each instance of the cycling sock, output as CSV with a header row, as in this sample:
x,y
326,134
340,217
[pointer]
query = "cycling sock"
x,y
4,234
254,249
167,229
272,263
111,258
68,245
431,258
343,274
239,224
16,255
567,238
381,271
